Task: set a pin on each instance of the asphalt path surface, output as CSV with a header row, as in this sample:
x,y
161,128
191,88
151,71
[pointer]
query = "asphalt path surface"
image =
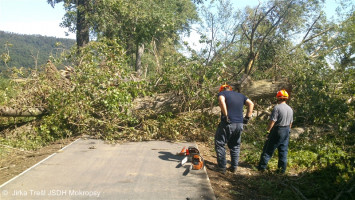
x,y
92,169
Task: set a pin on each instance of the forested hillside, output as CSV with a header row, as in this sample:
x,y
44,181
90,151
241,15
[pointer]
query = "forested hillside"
x,y
30,50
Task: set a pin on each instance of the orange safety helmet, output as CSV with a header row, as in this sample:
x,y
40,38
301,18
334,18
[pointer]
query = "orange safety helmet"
x,y
224,86
282,94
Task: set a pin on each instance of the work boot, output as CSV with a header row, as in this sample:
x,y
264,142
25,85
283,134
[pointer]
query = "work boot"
x,y
280,171
260,169
220,170
233,170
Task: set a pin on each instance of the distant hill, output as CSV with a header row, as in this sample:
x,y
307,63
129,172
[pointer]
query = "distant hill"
x,y
24,47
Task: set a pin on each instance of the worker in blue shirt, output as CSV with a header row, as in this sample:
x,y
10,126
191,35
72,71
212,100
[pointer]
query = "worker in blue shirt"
x,y
231,125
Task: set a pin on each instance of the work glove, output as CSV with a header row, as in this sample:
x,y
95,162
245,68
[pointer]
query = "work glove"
x,y
246,120
226,119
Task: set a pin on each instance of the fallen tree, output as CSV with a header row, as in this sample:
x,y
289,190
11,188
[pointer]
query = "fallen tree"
x,y
20,112
265,88
169,102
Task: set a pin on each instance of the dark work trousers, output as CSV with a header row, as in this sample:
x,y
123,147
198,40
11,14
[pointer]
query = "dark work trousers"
x,y
278,138
229,134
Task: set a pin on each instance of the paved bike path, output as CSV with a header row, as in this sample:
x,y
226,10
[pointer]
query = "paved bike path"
x,y
92,169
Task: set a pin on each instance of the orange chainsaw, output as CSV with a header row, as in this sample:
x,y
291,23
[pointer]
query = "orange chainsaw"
x,y
192,154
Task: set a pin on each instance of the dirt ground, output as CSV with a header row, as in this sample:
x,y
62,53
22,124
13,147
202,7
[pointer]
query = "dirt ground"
x,y
226,186
230,186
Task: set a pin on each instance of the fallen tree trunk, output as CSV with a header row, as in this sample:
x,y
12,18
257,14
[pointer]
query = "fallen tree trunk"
x,y
264,89
159,104
167,102
20,112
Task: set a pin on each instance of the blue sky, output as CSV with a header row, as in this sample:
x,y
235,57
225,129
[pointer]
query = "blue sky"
x,y
38,17
32,17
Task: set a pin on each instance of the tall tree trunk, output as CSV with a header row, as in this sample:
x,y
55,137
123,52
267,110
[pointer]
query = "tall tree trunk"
x,y
250,62
248,65
82,32
139,54
156,55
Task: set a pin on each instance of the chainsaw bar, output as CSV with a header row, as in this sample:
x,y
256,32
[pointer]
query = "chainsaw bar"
x,y
184,161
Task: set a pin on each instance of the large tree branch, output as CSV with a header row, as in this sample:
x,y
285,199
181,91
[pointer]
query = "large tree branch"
x,y
316,35
314,54
274,25
310,28
312,37
261,19
252,54
223,49
245,32
211,45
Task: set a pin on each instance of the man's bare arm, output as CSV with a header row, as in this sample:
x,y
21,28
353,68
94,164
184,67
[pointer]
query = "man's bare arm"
x,y
223,105
250,106
270,125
